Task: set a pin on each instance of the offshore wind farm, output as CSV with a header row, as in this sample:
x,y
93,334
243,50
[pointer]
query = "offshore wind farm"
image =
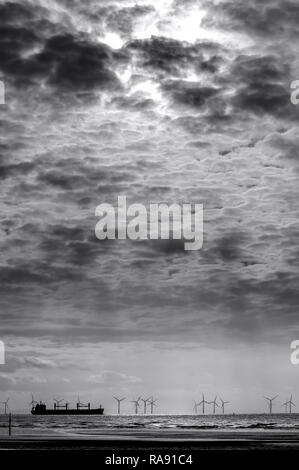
x,y
149,406
211,419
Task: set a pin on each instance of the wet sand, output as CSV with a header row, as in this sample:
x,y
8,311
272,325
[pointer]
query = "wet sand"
x,y
145,440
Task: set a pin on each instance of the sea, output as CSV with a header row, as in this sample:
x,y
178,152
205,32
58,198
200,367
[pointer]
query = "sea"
x,y
153,426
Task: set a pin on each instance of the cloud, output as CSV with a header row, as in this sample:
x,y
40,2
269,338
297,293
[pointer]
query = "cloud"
x,y
173,57
264,85
112,378
15,169
285,146
189,94
266,19
39,362
123,20
76,64
66,61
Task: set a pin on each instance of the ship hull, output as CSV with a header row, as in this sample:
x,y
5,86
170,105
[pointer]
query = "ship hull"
x,y
96,411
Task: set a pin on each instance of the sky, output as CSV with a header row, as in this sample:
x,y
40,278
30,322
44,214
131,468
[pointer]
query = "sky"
x,y
160,101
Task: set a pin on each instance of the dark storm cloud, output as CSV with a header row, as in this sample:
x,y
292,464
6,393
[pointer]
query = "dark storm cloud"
x,y
228,247
61,180
189,94
72,174
82,180
159,248
172,57
65,60
22,29
263,85
248,83
75,245
255,84
76,63
79,253
16,169
36,272
56,175
19,14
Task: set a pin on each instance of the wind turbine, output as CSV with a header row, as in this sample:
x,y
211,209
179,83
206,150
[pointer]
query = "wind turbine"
x,y
136,403
145,404
285,406
79,404
270,400
152,403
203,402
119,400
214,403
195,407
57,403
33,402
5,406
290,403
223,403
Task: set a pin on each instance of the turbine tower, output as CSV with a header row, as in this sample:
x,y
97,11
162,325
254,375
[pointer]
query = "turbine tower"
x,y
145,401
203,403
286,404
136,403
270,400
119,400
223,403
6,407
152,403
214,403
290,403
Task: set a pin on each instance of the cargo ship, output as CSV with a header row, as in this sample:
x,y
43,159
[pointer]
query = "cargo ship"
x,y
81,409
